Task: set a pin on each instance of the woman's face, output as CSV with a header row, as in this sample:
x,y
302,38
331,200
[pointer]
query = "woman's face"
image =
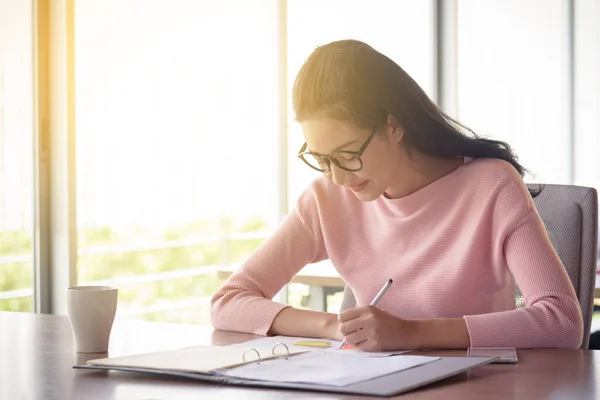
x,y
381,159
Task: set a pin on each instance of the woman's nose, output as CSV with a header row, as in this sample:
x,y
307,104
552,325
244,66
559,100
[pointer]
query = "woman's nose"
x,y
339,176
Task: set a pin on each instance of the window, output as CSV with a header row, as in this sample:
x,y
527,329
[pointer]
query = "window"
x,y
177,127
586,65
513,80
16,156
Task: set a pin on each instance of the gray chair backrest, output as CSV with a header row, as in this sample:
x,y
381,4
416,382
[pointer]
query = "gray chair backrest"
x,y
570,214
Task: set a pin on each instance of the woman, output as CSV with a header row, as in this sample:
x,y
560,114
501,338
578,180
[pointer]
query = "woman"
x,y
408,194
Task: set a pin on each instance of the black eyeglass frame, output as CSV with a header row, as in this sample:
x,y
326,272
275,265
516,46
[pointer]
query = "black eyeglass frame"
x,y
328,158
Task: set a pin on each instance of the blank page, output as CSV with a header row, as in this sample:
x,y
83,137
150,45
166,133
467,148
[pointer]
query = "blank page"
x,y
204,359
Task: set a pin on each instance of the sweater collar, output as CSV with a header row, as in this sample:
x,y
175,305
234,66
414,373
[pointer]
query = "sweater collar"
x,y
425,197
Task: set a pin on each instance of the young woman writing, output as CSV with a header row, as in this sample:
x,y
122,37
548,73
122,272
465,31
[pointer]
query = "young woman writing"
x,y
408,194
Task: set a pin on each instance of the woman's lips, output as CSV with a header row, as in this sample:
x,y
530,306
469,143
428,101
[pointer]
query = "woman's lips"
x,y
358,188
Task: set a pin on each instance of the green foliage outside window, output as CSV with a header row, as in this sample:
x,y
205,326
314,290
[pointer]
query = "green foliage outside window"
x,y
96,261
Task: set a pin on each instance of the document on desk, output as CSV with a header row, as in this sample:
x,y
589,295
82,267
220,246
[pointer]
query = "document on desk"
x,y
326,368
266,365
302,343
201,359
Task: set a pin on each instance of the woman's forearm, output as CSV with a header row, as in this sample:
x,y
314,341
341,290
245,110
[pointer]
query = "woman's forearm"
x,y
443,333
294,322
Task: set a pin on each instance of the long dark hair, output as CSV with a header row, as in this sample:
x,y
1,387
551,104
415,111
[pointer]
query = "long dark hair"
x,y
349,80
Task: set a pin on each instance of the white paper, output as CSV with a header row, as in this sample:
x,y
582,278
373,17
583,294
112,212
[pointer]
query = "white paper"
x,y
326,368
290,341
203,359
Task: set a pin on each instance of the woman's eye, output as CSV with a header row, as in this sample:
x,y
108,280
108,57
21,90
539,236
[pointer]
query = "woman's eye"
x,y
347,156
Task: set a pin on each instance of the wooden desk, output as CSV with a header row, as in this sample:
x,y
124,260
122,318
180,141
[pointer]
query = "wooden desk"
x,y
36,359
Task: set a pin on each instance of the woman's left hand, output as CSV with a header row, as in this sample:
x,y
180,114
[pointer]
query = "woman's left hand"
x,y
372,329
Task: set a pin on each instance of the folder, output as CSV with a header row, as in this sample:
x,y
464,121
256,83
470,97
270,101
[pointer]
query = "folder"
x,y
232,365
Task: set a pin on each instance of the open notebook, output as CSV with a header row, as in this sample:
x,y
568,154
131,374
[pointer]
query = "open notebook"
x,y
284,366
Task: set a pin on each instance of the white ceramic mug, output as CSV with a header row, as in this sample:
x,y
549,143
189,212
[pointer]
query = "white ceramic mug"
x,y
91,312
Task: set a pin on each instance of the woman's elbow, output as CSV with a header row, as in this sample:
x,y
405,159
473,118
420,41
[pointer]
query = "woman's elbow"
x,y
574,339
570,334
218,313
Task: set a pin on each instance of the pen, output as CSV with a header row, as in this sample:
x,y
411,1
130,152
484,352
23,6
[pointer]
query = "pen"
x,y
384,289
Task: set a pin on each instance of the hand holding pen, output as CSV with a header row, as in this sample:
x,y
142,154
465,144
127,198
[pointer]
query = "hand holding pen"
x,y
373,303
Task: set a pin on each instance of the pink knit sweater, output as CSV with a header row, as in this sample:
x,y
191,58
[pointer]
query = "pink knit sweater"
x,y
453,248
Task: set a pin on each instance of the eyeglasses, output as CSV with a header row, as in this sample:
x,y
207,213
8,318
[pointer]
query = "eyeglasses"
x,y
346,160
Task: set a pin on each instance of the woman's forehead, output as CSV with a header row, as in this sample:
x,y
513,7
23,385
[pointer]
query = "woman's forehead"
x,y
325,135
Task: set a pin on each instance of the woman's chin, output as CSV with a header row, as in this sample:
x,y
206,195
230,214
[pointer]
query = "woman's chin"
x,y
368,195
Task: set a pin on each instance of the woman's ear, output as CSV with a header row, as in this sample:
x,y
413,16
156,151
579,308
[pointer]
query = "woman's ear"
x,y
395,129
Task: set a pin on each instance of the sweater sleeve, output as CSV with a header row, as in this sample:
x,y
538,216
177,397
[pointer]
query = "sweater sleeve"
x,y
243,303
551,317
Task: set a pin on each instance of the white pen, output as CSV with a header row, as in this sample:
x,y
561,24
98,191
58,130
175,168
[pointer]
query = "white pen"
x,y
375,301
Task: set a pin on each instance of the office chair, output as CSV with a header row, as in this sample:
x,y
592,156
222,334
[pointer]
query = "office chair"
x,y
570,214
